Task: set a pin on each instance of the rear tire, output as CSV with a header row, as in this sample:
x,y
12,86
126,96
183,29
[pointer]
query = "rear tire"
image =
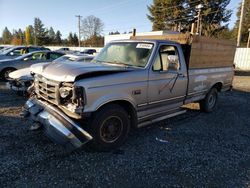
x,y
109,128
210,102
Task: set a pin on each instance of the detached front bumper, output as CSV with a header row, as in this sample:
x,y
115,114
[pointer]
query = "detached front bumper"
x,y
56,125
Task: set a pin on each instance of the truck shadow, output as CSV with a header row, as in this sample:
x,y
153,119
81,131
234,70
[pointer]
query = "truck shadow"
x,y
241,73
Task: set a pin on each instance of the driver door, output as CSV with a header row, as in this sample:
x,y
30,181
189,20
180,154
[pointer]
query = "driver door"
x,y
167,81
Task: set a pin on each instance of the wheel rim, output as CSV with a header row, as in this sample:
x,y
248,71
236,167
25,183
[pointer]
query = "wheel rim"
x,y
212,100
111,129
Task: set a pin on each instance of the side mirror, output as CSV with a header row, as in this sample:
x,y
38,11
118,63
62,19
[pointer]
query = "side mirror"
x,y
11,53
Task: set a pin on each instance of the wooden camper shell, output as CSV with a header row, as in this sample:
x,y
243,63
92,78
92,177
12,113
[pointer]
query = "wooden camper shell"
x,y
200,51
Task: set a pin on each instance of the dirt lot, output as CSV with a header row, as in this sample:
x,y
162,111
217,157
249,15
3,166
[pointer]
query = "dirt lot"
x,y
199,150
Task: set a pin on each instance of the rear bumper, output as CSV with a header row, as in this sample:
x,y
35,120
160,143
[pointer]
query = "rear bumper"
x,y
56,125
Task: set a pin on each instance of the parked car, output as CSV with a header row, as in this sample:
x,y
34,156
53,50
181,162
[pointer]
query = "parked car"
x,y
20,80
63,49
75,57
9,65
130,83
16,51
89,51
5,48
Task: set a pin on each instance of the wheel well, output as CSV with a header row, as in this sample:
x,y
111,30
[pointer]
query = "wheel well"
x,y
129,109
218,86
7,68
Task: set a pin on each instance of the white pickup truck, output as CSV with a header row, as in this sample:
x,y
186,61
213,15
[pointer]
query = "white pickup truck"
x,y
130,83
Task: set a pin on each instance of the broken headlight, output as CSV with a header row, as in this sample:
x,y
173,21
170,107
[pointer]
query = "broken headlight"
x,y
65,92
79,96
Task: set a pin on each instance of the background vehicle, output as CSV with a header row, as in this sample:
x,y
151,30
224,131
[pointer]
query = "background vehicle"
x,y
89,51
14,52
75,57
5,48
21,80
63,49
9,65
130,83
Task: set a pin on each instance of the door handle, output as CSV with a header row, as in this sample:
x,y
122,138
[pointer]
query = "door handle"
x,y
181,75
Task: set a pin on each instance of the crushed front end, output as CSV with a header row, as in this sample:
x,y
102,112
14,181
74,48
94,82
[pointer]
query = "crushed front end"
x,y
57,106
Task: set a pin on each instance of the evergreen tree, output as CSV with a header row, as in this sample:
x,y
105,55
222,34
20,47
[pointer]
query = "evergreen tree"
x,y
6,36
167,14
52,36
20,35
245,23
75,39
39,32
215,15
58,40
70,39
179,15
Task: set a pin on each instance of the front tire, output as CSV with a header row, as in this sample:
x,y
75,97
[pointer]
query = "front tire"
x,y
210,102
109,128
5,73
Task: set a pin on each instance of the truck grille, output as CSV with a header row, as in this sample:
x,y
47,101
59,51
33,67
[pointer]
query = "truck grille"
x,y
47,89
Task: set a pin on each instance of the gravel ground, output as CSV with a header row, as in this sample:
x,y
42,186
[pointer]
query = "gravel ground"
x,y
195,150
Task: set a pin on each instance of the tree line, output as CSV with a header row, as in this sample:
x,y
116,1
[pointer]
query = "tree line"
x,y
179,15
38,34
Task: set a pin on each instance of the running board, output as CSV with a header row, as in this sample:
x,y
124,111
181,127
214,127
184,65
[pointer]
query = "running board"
x,y
161,118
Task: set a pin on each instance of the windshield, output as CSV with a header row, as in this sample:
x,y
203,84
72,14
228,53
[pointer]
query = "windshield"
x,y
125,53
5,49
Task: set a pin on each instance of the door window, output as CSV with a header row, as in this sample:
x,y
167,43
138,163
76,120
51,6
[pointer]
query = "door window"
x,y
36,56
167,59
18,52
54,56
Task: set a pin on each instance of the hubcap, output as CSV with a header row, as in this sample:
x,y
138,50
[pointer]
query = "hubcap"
x,y
111,129
211,100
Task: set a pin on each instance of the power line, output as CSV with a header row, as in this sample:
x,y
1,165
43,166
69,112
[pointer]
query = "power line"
x,y
205,14
99,10
167,8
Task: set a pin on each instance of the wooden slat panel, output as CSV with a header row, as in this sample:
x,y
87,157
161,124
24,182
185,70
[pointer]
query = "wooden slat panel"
x,y
210,52
213,53
180,38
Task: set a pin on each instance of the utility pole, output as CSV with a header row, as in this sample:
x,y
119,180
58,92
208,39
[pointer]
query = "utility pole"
x,y
199,20
79,29
248,42
241,21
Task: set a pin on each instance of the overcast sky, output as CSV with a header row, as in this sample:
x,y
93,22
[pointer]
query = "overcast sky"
x,y
60,14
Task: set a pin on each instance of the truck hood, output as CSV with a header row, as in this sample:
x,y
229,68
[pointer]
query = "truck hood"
x,y
72,71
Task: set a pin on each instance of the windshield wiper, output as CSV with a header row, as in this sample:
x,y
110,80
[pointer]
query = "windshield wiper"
x,y
119,63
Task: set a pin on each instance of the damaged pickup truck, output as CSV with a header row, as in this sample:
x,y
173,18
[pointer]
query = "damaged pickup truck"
x,y
130,83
